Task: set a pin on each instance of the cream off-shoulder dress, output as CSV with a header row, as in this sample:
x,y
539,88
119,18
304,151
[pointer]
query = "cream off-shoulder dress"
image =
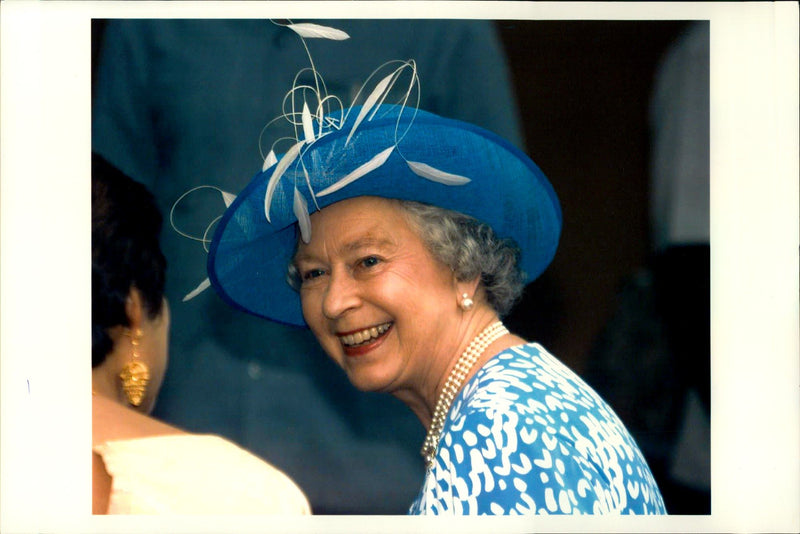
x,y
194,474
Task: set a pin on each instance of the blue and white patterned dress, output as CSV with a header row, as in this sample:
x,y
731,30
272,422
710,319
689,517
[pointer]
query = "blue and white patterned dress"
x,y
527,436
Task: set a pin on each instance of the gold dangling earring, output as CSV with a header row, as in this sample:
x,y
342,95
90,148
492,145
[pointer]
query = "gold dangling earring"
x,y
466,302
135,375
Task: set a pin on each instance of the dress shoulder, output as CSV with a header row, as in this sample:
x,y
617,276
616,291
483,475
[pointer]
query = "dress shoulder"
x,y
195,474
527,436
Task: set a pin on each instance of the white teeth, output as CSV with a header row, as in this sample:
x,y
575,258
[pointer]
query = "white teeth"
x,y
365,335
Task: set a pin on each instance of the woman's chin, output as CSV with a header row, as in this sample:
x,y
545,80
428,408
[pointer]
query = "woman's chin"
x,y
362,384
366,381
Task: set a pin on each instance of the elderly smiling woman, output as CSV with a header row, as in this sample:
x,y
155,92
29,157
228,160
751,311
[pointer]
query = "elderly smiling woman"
x,y
407,236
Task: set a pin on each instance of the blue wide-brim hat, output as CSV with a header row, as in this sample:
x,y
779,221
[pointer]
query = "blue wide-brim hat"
x,y
397,153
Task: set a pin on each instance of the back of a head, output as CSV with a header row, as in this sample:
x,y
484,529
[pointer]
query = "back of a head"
x,y
126,224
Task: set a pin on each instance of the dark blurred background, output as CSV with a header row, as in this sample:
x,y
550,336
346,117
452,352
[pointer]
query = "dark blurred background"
x,y
623,305
583,91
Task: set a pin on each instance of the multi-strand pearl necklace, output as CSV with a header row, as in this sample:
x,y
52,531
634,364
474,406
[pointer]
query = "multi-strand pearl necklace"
x,y
465,362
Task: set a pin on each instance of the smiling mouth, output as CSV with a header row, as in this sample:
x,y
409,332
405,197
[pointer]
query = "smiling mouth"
x,y
364,337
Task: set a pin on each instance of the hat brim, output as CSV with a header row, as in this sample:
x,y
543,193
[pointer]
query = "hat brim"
x,y
249,256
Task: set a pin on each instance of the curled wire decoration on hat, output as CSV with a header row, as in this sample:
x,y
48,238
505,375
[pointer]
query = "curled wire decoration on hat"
x,y
227,199
327,124
309,113
380,94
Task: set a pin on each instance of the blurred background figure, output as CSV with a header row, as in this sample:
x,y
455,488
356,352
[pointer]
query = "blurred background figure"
x,y
181,103
139,464
653,359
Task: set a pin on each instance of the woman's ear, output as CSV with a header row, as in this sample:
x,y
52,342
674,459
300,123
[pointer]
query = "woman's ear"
x,y
134,308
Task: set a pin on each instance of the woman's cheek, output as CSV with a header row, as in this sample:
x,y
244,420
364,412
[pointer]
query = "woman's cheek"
x,y
307,305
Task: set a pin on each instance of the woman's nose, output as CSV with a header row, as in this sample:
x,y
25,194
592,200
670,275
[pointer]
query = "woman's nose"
x,y
341,295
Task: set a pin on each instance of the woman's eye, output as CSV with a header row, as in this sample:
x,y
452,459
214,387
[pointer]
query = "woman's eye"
x,y
312,273
370,261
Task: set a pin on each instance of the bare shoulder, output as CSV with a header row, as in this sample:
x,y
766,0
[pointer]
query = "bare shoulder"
x,y
101,485
113,421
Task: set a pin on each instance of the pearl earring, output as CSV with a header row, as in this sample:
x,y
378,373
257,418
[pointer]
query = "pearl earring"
x,y
466,302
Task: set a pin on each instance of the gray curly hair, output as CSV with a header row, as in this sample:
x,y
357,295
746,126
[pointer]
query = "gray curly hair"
x,y
469,247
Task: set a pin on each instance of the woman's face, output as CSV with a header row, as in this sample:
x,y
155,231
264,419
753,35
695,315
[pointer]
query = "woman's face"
x,y
380,305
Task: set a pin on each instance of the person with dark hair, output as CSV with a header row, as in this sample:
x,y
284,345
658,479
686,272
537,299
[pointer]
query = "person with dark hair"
x,y
139,464
128,272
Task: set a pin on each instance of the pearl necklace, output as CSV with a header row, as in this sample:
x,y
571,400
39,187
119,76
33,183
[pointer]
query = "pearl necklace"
x,y
465,362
